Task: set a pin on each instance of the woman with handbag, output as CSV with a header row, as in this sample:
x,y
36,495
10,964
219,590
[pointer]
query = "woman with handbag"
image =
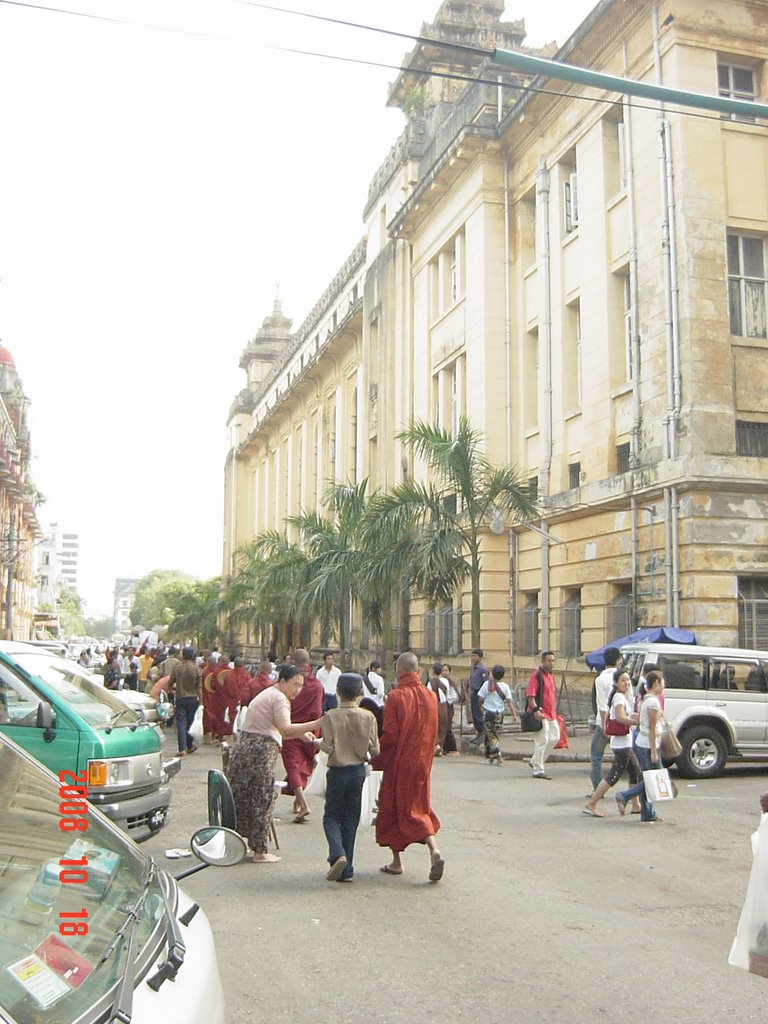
x,y
647,745
618,721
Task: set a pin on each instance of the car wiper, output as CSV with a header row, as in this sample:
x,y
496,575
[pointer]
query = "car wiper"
x,y
176,948
122,1008
118,715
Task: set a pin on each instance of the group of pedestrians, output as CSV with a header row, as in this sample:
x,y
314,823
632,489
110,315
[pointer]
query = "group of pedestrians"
x,y
633,726
348,733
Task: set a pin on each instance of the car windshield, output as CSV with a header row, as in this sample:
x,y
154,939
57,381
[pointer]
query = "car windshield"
x,y
68,882
79,688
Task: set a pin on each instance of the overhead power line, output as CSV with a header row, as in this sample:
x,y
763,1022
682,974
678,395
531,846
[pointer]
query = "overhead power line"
x,y
516,60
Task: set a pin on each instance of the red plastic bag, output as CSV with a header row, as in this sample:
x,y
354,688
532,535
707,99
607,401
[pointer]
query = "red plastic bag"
x,y
563,741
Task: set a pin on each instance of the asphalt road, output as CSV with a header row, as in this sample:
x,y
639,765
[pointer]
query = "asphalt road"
x,y
543,914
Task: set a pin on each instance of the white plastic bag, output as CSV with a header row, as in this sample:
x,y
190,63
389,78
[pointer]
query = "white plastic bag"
x,y
196,729
658,785
750,947
239,719
316,784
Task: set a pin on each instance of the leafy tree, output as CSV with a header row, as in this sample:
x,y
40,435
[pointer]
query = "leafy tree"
x,y
99,628
71,612
451,512
195,609
150,604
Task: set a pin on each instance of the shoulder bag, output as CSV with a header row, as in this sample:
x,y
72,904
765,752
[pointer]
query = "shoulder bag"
x,y
528,720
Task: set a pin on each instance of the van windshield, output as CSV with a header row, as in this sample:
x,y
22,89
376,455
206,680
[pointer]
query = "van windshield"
x,y
68,882
77,687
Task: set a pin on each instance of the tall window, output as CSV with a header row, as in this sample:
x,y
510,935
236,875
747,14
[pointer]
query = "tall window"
x,y
447,275
529,626
737,83
571,200
628,313
620,338
570,614
747,285
572,374
753,612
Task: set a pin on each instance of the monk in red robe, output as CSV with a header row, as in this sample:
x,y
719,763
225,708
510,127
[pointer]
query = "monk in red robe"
x,y
408,742
298,755
253,685
226,696
210,685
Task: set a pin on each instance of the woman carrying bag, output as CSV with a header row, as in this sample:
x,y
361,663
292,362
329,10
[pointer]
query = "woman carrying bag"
x,y
618,722
647,744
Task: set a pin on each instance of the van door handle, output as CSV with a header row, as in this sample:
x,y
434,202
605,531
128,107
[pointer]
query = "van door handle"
x,y
720,704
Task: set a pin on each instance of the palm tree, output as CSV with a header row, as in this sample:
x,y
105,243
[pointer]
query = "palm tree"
x,y
267,583
450,531
334,558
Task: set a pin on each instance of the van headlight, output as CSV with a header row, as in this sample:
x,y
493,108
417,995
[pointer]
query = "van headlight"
x,y
111,772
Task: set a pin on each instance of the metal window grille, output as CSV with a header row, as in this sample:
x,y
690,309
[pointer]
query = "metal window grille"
x,y
619,614
753,612
529,623
622,457
752,438
571,625
533,487
428,645
574,474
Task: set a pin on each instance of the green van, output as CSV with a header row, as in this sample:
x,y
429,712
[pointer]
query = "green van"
x,y
60,715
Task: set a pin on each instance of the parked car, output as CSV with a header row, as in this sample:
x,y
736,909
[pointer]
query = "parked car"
x,y
93,929
716,700
57,712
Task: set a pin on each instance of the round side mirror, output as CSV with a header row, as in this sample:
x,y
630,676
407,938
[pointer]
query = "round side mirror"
x,y
218,846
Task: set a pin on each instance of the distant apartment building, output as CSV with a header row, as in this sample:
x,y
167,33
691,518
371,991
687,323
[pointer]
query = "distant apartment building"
x,y
69,551
125,591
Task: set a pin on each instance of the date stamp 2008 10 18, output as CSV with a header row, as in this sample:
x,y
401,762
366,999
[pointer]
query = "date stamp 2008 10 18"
x,y
73,811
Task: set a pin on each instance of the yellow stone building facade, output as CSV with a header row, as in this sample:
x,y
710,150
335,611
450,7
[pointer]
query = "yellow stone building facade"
x,y
585,277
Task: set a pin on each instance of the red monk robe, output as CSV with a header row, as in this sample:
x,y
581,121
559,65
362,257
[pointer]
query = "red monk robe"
x,y
253,687
226,698
210,683
299,756
408,742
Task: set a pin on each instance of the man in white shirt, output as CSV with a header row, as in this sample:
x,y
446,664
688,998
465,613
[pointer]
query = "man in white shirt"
x,y
328,675
603,687
373,684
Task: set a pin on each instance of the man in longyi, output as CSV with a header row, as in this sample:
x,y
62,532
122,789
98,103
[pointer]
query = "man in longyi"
x,y
408,741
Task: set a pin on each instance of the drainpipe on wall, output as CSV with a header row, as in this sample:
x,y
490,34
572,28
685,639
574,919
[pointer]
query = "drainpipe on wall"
x,y
634,558
675,559
545,365
629,163
511,536
670,420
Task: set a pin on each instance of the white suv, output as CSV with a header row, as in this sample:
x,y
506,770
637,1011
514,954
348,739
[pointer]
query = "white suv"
x,y
716,700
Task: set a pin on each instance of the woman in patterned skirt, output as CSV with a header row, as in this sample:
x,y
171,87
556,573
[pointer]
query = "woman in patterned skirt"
x,y
251,767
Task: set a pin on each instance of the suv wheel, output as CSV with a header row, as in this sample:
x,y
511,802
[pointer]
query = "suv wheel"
x,y
704,753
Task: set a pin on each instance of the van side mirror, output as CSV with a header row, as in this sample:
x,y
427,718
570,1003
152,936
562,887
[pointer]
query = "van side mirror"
x,y
46,720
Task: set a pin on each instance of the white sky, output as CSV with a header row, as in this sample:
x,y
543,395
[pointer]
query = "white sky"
x,y
155,188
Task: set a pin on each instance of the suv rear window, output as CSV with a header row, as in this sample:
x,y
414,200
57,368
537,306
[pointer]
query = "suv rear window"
x,y
733,674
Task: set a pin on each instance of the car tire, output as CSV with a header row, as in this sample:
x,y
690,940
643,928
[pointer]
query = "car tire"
x,y
705,752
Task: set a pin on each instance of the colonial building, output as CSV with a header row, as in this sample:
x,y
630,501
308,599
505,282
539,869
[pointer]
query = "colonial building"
x,y
19,528
584,276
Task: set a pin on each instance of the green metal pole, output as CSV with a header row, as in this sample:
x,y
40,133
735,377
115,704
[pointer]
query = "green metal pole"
x,y
614,83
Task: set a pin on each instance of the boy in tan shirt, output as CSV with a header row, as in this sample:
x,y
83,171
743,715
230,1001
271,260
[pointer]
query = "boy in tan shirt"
x,y
350,739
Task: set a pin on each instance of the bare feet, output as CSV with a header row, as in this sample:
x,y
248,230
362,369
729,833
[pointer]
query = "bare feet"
x,y
264,858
